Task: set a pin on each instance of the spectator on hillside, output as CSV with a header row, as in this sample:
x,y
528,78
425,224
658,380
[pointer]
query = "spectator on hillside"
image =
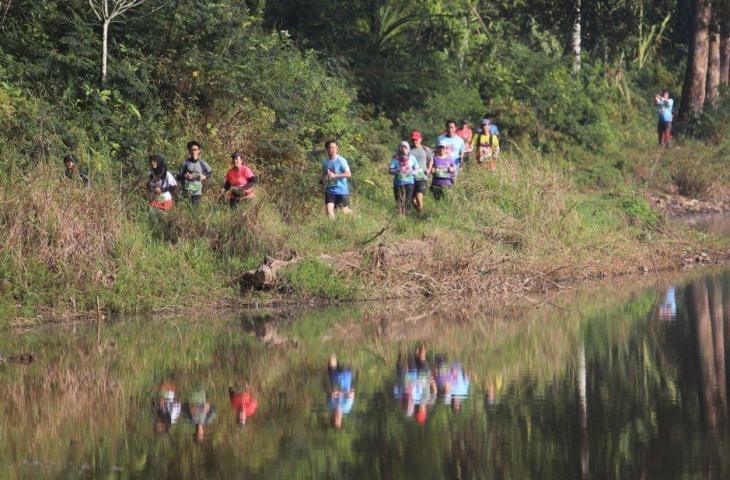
x,y
664,126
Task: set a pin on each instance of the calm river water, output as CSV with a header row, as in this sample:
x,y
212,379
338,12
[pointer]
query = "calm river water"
x,y
624,381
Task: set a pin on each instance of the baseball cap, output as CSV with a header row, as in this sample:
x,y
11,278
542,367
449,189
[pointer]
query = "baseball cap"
x,y
235,154
442,144
416,135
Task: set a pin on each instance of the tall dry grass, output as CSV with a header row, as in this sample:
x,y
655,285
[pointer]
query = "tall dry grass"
x,y
59,225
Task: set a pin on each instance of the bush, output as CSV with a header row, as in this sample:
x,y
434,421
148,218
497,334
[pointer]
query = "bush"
x,y
692,177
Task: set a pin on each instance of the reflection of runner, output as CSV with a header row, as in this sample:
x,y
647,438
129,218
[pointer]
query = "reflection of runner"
x,y
244,405
415,387
200,413
341,394
166,408
668,309
453,383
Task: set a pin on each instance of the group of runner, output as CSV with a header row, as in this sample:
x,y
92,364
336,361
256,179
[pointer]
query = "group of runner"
x,y
413,167
238,184
415,164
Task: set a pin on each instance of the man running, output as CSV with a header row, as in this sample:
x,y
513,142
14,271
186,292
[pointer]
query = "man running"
x,y
194,172
335,172
454,143
424,157
465,132
664,127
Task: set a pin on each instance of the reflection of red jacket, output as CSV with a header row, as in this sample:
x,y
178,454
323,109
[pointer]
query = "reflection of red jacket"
x,y
243,401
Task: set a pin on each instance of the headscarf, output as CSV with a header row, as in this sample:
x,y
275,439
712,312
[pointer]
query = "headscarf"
x,y
160,171
404,158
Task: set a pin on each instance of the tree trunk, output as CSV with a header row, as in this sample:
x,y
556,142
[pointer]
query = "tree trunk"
x,y
724,49
695,78
104,43
713,68
713,63
576,38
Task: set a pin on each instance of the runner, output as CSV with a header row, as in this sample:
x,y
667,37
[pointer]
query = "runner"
x,y
194,172
239,182
664,127
403,167
466,133
454,144
424,157
486,145
492,127
442,168
335,172
161,183
74,171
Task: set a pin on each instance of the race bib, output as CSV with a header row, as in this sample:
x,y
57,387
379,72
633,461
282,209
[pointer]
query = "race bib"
x,y
193,185
442,173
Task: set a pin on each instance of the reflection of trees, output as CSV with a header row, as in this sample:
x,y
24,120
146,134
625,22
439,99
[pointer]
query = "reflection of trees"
x,y
705,308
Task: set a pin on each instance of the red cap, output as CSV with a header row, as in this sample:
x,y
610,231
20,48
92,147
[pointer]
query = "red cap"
x,y
416,135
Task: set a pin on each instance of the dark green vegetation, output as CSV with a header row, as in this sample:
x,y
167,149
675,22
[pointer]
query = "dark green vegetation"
x,y
609,387
275,80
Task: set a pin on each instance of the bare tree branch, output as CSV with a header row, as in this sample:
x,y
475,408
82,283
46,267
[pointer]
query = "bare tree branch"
x,y
107,11
5,11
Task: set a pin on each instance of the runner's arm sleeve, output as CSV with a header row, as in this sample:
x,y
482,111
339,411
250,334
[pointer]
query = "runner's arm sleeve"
x,y
393,169
252,181
226,185
181,173
206,168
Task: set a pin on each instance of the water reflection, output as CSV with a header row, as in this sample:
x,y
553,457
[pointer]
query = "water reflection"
x,y
627,386
415,386
200,412
341,392
452,382
668,308
166,408
243,403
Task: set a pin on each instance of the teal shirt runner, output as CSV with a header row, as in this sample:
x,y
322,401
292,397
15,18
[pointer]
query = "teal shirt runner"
x,y
339,166
404,175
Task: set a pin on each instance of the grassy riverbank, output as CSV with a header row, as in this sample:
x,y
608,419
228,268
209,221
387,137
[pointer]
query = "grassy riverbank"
x,y
532,224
